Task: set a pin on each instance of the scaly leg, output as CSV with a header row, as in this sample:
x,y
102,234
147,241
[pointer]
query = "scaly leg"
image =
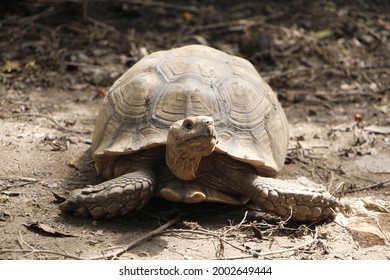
x,y
301,199
111,198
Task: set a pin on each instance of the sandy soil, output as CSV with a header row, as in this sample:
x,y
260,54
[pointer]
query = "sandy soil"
x,y
328,62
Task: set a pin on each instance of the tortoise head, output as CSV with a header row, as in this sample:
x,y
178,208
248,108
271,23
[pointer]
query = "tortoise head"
x,y
188,141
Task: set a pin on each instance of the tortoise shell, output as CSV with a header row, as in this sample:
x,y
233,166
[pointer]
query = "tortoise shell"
x,y
167,86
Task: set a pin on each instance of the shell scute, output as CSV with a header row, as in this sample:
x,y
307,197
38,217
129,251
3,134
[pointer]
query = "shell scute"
x,y
194,80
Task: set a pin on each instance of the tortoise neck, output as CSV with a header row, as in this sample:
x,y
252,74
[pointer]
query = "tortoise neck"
x,y
183,163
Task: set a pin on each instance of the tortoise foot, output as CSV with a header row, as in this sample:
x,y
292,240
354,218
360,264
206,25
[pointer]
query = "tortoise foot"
x,y
301,200
111,198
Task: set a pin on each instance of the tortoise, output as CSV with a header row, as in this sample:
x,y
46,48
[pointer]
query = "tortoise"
x,y
194,124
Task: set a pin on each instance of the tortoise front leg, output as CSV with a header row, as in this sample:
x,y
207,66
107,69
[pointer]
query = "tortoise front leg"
x,y
303,200
111,198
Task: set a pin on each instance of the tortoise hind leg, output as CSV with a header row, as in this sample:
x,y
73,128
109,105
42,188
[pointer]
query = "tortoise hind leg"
x,y
300,199
111,198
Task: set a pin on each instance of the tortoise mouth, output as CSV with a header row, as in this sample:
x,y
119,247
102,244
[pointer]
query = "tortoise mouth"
x,y
198,146
201,140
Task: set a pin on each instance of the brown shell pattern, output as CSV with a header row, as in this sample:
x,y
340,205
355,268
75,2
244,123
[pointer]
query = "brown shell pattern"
x,y
166,86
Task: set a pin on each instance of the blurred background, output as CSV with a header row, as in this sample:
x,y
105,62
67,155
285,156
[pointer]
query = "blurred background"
x,y
333,51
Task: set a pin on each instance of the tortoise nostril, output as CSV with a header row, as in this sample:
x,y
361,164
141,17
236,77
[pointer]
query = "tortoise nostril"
x,y
210,123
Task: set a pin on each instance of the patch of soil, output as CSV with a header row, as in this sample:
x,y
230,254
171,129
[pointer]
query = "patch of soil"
x,y
327,60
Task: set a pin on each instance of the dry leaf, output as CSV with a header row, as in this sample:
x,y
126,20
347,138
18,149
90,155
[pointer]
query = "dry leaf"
x,y
46,229
323,33
59,198
366,221
187,15
257,232
100,93
366,232
12,66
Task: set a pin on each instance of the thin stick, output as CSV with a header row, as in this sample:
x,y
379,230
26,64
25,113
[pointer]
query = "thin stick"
x,y
36,251
237,226
156,4
193,231
22,242
9,178
381,230
216,235
12,178
338,187
136,242
32,250
373,186
277,251
243,219
239,24
15,186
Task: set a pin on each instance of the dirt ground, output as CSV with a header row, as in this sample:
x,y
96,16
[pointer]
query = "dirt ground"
x,y
327,60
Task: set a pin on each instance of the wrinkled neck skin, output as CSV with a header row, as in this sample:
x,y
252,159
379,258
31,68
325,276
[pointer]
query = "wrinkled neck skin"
x,y
182,161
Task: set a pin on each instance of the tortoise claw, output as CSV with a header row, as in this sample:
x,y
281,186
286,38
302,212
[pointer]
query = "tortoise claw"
x,y
111,198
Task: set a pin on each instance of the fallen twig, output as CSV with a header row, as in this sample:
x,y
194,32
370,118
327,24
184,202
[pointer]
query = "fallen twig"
x,y
381,230
257,255
23,243
237,226
36,251
208,233
32,250
237,25
16,185
136,242
7,177
162,4
13,178
373,186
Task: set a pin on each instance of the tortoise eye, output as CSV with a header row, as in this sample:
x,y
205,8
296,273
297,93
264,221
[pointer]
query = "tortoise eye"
x,y
188,124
